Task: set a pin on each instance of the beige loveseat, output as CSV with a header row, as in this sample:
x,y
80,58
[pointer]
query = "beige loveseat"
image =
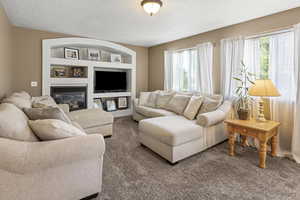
x,y
173,136
64,169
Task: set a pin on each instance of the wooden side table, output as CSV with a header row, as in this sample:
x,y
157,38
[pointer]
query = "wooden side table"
x,y
263,131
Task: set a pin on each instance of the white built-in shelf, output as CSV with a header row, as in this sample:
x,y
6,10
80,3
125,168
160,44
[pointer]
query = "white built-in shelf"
x,y
53,56
70,62
112,94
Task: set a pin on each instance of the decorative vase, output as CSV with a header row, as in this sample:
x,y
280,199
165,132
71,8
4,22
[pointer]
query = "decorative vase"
x,y
243,114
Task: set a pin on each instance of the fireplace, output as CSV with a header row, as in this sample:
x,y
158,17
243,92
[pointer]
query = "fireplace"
x,y
76,97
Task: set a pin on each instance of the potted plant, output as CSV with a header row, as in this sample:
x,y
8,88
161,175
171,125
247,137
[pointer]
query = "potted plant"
x,y
243,101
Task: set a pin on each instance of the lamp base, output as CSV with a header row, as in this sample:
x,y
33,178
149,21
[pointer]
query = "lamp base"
x,y
261,116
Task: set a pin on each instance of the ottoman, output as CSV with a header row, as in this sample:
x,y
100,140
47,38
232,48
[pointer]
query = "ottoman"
x,y
94,121
172,137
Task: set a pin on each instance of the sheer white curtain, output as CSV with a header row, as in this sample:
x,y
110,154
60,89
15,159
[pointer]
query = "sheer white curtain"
x,y
252,56
205,59
232,52
296,131
281,72
190,69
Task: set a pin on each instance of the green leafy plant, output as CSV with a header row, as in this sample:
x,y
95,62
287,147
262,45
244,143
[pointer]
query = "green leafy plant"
x,y
245,81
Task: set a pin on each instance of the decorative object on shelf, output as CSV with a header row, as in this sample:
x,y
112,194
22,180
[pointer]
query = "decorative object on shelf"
x,y
59,72
116,58
98,104
94,54
77,72
263,88
151,6
105,56
111,105
243,102
71,53
122,103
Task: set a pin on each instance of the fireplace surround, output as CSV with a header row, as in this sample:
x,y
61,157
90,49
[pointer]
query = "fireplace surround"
x,y
76,97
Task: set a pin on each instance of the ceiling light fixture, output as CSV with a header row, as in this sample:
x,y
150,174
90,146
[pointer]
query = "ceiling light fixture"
x,y
151,6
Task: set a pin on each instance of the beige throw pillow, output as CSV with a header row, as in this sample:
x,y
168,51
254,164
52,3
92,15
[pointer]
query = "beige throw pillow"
x,y
152,99
193,107
46,113
14,124
19,99
144,98
53,129
163,99
211,103
43,102
178,103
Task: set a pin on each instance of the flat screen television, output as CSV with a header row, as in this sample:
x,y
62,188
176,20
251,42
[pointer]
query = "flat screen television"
x,y
110,81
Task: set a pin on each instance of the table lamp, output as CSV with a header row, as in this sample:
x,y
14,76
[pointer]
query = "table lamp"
x,y
263,88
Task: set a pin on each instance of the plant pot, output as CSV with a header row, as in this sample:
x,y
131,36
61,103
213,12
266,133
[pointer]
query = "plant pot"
x,y
243,114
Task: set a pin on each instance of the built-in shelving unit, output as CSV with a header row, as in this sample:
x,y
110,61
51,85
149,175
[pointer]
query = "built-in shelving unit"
x,y
61,72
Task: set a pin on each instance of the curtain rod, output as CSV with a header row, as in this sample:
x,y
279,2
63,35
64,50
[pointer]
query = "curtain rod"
x,y
271,32
191,48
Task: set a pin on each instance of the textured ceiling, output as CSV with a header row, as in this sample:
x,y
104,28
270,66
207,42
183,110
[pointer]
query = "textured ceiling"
x,y
125,21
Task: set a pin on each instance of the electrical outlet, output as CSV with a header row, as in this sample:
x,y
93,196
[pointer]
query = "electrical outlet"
x,y
34,84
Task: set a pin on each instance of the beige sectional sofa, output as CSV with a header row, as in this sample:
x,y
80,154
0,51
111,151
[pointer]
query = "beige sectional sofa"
x,y
176,136
68,169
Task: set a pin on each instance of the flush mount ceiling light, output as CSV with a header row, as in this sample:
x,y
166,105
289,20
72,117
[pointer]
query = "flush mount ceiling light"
x,y
151,6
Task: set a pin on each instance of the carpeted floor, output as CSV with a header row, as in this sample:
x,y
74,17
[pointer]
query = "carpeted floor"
x,y
132,172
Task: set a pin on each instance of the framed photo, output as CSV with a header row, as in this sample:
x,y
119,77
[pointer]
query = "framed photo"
x,y
122,103
71,53
115,58
77,72
59,72
111,105
93,54
98,104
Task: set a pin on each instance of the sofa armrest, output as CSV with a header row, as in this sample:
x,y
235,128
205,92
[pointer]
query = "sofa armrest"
x,y
29,157
212,118
64,107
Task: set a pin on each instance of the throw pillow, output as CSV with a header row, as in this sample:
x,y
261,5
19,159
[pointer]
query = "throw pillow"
x,y
53,129
43,101
144,98
163,98
21,100
152,99
46,113
178,103
14,124
193,107
211,103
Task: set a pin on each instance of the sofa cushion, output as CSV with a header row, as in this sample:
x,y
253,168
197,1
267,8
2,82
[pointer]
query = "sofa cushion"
x,y
153,112
152,99
144,98
193,107
19,99
14,124
91,117
163,99
43,101
46,113
171,130
53,129
211,103
178,103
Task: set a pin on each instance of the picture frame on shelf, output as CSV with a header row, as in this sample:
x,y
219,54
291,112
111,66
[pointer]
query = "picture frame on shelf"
x,y
98,104
94,54
122,103
77,72
111,105
59,72
115,58
70,53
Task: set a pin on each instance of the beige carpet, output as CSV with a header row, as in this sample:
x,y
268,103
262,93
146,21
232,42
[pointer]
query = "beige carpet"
x,y
132,172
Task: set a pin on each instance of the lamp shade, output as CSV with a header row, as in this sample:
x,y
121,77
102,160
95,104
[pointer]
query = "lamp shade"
x,y
264,88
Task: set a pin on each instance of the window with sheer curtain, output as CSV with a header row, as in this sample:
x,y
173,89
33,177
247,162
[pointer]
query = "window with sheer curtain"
x,y
183,72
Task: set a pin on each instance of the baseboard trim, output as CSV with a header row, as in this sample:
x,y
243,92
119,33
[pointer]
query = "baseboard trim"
x,y
93,196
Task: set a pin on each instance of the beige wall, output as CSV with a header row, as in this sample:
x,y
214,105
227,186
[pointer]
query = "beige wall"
x,y
27,60
5,54
269,23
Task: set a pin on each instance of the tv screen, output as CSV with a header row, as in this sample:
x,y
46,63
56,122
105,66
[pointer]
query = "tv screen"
x,y
109,81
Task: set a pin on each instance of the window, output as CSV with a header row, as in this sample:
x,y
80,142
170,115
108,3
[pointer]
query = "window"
x,y
264,45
